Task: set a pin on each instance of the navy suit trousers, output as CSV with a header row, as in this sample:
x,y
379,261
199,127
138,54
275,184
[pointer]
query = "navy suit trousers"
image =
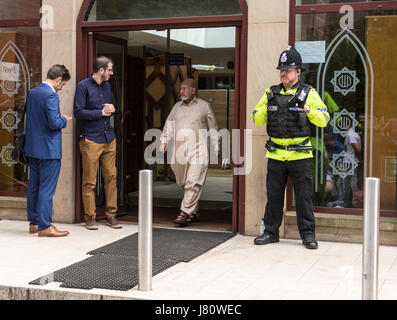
x,y
43,179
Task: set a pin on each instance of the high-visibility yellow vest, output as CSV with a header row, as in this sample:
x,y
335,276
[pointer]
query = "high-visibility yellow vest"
x,y
318,115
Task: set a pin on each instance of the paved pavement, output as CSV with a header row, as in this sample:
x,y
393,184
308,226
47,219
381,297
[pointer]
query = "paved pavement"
x,y
235,270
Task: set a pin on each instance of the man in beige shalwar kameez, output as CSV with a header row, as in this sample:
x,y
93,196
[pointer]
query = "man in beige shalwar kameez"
x,y
187,126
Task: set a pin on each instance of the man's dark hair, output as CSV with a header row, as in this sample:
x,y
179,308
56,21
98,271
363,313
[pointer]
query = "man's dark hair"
x,y
101,62
57,71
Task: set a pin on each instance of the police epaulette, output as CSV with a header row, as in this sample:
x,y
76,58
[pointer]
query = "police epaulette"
x,y
273,90
276,89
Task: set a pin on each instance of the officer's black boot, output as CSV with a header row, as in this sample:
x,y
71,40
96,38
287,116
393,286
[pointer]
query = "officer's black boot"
x,y
266,238
310,243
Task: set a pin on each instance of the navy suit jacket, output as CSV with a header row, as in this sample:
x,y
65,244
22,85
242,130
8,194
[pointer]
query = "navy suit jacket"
x,y
43,124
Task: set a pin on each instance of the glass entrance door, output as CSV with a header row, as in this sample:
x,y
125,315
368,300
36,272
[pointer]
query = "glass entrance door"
x,y
156,64
114,48
106,16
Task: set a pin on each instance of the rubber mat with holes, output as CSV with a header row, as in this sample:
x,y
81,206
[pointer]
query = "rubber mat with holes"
x,y
115,266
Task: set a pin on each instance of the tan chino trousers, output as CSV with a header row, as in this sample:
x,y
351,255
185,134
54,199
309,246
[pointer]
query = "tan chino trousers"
x,y
93,153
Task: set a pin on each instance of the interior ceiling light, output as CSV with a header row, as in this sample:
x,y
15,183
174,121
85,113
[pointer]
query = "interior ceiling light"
x,y
204,67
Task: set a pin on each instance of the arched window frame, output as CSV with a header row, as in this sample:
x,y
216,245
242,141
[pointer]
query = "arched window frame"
x,y
329,8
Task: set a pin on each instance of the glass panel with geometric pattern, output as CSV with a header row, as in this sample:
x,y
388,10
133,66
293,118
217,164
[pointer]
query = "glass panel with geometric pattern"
x,y
353,69
19,9
20,70
148,9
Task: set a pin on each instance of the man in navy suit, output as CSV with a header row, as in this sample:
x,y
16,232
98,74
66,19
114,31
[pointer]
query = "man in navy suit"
x,y
43,147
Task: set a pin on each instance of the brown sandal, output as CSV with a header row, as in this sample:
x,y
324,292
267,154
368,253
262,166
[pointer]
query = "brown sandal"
x,y
182,219
193,218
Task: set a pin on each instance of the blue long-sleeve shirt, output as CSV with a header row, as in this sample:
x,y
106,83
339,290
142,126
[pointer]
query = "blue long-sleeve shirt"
x,y
88,104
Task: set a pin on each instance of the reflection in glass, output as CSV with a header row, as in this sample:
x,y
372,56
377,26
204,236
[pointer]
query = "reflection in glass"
x,y
146,9
19,9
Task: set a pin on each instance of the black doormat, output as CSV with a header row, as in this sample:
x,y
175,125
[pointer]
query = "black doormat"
x,y
174,244
115,266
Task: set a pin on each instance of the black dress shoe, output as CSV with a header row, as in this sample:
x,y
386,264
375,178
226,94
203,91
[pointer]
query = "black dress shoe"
x,y
310,243
265,239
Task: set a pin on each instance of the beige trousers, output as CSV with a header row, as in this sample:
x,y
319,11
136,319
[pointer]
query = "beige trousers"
x,y
93,153
191,178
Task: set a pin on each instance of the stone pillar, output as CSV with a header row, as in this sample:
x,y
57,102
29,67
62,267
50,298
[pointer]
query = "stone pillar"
x,y
59,47
268,23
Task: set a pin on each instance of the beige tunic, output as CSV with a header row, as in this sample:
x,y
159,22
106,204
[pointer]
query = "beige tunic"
x,y
185,133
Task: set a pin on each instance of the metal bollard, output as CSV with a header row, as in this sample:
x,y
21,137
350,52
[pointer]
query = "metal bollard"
x,y
371,239
145,230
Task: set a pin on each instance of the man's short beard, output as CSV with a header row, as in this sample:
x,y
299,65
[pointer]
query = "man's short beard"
x,y
186,98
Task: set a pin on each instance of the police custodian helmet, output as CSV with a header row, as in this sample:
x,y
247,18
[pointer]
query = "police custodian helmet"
x,y
290,58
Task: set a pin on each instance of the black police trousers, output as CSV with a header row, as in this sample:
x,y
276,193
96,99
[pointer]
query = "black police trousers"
x,y
302,180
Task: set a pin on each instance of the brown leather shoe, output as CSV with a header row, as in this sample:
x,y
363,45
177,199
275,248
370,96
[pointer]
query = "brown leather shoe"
x,y
33,228
51,231
113,222
90,224
67,232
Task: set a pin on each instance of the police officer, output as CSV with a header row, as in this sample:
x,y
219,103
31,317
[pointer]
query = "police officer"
x,y
290,109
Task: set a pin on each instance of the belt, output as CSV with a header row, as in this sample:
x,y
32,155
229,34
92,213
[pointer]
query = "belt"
x,y
295,147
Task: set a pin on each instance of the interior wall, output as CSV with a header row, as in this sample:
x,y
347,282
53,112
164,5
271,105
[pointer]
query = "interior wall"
x,y
136,51
380,42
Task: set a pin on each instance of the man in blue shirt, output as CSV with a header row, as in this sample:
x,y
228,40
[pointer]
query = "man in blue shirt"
x,y
92,109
